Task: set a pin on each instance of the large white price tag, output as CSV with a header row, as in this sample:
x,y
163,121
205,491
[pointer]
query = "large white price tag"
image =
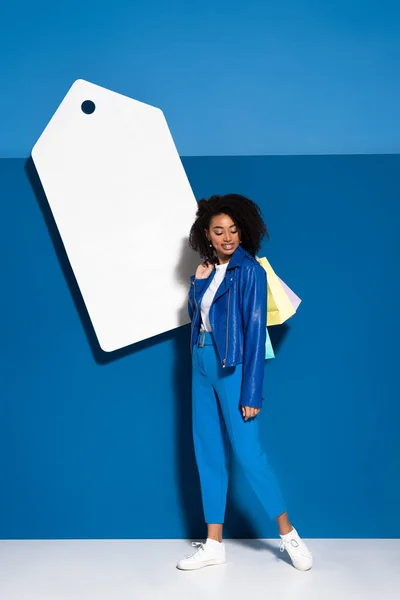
x,y
123,207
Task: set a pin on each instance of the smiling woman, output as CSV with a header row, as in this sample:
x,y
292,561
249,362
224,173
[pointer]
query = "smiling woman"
x,y
233,216
227,305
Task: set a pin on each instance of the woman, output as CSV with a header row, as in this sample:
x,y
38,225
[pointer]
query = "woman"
x,y
228,309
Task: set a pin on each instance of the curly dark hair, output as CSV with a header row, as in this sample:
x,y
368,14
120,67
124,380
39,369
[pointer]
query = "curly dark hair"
x,y
246,215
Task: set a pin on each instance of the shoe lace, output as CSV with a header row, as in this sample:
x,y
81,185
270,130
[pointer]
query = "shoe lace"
x,y
199,549
285,543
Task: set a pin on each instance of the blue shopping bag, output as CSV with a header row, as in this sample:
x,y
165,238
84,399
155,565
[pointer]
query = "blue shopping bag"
x,y
269,351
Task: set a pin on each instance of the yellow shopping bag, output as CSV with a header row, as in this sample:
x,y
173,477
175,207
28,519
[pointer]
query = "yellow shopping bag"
x,y
282,301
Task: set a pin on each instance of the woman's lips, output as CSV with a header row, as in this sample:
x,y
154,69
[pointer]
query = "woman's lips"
x,y
227,246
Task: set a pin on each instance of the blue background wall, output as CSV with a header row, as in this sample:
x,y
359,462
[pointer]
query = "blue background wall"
x,y
100,446
96,448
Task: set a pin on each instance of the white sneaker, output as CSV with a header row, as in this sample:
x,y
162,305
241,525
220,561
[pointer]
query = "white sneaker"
x,y
205,555
299,553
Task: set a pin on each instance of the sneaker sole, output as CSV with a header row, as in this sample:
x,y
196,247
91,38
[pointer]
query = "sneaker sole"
x,y
208,563
300,567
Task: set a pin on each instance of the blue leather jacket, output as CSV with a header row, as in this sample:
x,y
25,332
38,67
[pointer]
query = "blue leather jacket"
x,y
238,317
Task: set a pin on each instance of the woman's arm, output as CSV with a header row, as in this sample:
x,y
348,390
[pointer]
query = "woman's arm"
x,y
254,330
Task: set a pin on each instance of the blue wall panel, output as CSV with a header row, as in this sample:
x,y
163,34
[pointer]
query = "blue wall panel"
x,y
234,78
99,446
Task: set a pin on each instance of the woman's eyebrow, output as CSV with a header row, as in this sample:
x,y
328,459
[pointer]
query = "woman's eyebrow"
x,y
220,226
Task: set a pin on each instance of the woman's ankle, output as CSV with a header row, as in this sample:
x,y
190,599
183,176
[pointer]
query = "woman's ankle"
x,y
214,532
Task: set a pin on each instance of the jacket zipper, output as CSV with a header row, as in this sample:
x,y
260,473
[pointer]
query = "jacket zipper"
x,y
227,330
227,322
194,319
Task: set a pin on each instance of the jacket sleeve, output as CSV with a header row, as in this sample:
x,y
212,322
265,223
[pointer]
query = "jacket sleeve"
x,y
196,287
254,333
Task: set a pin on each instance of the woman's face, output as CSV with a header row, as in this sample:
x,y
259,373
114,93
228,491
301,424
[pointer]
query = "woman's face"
x,y
224,236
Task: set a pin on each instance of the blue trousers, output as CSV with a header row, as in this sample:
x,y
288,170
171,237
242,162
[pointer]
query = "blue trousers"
x,y
218,425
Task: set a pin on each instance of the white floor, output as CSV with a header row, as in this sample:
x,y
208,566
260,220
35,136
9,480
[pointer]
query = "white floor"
x,y
145,569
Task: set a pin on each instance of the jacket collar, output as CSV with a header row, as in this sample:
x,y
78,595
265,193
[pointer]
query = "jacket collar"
x,y
237,258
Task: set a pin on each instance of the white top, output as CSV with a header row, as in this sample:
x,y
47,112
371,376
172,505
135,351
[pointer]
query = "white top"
x,y
208,297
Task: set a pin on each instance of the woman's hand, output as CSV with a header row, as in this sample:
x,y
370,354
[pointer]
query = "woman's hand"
x,y
203,271
250,412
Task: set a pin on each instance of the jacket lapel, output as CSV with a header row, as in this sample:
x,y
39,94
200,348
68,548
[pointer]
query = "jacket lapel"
x,y
235,261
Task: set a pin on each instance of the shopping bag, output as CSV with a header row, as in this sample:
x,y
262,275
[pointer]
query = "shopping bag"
x,y
282,302
295,300
269,351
